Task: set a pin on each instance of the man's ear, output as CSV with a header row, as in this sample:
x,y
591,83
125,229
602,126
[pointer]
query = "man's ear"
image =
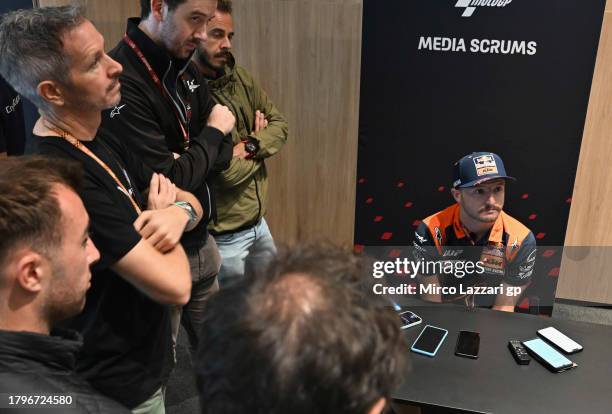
x,y
456,194
378,406
32,270
157,9
51,92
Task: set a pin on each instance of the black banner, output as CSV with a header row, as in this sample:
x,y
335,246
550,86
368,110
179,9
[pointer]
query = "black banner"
x,y
441,79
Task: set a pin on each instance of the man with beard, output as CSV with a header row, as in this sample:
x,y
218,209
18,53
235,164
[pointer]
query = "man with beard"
x,y
167,118
55,57
476,230
241,231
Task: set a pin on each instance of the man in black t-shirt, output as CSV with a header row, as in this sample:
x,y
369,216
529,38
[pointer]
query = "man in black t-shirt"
x,y
127,351
12,128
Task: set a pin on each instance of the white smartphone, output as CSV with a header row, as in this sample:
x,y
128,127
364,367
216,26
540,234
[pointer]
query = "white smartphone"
x,y
409,319
567,345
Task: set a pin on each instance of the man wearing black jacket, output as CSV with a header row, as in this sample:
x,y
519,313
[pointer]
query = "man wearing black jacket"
x,y
166,117
45,254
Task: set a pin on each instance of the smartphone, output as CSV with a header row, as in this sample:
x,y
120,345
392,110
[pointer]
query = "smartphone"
x,y
555,337
409,319
429,340
468,344
548,356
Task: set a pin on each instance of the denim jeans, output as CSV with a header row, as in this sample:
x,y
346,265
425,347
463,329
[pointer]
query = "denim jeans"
x,y
245,251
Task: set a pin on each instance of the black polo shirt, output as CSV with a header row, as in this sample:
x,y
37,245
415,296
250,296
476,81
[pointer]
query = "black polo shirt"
x,y
127,352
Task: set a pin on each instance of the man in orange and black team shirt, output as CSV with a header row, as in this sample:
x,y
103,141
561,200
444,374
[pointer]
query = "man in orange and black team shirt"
x,y
476,230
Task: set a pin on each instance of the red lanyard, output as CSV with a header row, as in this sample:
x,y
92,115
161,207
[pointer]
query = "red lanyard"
x,y
159,85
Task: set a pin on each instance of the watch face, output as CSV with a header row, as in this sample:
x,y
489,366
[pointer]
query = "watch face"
x,y
250,147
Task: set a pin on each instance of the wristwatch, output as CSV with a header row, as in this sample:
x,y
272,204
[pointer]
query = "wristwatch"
x,y
188,208
251,146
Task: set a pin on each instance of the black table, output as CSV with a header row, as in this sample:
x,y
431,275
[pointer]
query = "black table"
x,y
495,383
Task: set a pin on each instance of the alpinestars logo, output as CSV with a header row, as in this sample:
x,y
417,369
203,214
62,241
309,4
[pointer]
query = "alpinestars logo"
x,y
116,111
470,5
192,86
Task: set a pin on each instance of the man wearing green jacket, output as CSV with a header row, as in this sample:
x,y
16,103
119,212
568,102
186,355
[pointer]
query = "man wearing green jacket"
x,y
241,231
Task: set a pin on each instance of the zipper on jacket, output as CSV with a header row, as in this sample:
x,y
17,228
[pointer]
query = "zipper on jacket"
x,y
183,114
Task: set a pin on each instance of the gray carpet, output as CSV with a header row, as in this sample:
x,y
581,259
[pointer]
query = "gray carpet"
x,y
181,392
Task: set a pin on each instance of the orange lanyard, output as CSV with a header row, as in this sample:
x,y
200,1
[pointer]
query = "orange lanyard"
x,y
79,145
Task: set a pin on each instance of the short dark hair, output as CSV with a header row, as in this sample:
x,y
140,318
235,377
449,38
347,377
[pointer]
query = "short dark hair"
x,y
302,337
32,48
225,6
30,214
145,6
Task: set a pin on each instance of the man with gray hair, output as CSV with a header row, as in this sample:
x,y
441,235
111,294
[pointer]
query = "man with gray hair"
x,y
55,57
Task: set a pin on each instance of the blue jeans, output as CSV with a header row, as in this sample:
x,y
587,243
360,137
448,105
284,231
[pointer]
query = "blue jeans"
x,y
245,251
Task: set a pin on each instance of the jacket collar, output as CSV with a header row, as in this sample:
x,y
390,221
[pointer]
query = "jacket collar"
x,y
156,55
57,350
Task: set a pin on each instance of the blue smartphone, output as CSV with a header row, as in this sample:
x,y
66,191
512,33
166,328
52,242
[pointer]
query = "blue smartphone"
x,y
429,340
547,355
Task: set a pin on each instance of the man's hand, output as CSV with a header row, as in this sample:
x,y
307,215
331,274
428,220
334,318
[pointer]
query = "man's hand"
x,y
506,303
162,228
162,193
222,119
260,121
240,152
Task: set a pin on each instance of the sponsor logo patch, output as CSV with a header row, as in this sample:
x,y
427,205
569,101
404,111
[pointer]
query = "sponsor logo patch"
x,y
485,165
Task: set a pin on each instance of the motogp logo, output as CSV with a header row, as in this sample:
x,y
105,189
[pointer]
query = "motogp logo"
x,y
470,5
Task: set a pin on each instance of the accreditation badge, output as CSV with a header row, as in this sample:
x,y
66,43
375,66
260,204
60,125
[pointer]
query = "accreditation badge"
x,y
493,259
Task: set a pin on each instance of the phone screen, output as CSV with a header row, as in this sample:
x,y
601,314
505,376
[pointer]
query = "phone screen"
x,y
468,344
409,318
429,339
547,353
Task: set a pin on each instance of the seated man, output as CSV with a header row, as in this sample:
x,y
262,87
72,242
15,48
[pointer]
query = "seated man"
x,y
55,57
499,248
45,254
302,337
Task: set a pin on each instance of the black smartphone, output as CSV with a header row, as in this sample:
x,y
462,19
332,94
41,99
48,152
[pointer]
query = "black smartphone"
x,y
468,344
409,319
